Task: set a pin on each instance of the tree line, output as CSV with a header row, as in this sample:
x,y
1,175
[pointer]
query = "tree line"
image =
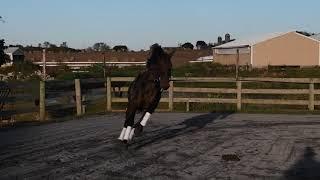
x,y
203,45
199,45
101,46
63,47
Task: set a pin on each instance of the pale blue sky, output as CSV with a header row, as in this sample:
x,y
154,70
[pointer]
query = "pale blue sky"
x,y
140,23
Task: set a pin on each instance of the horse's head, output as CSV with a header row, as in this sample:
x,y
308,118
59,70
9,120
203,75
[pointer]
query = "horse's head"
x,y
160,62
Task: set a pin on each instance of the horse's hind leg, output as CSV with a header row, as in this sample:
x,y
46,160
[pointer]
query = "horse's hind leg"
x,y
127,131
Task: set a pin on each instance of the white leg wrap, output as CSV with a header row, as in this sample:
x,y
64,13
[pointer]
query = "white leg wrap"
x,y
145,119
127,134
122,134
131,134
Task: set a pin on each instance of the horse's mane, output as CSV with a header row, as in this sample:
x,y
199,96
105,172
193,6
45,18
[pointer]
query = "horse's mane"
x,y
156,53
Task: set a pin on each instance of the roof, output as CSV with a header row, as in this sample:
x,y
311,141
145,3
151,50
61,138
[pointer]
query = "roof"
x,y
241,43
255,40
13,50
316,37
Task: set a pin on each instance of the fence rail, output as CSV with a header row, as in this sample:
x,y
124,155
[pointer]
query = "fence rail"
x,y
238,91
236,95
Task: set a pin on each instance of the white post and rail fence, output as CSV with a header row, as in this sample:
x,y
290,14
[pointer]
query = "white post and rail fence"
x,y
238,92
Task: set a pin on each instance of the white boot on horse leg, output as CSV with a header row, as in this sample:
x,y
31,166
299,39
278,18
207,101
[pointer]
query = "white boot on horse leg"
x,y
143,122
122,134
145,119
127,133
131,134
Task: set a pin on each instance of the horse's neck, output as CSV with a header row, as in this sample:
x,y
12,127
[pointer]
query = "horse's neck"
x,y
154,71
152,68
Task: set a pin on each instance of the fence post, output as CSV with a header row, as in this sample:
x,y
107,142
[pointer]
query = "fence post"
x,y
78,96
42,101
311,95
239,88
188,106
237,64
44,64
108,94
83,100
171,96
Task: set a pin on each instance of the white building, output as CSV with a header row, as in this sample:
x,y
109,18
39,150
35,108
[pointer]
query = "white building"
x,y
15,54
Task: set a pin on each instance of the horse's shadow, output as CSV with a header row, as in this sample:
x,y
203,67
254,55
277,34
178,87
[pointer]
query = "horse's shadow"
x,y
187,126
305,168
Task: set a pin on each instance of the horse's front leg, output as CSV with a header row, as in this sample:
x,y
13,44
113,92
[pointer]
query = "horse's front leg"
x,y
128,130
142,123
147,114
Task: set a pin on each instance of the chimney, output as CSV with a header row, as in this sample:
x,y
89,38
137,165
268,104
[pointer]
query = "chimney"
x,y
219,40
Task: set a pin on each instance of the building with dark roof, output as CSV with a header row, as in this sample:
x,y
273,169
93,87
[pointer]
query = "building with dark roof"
x,y
15,54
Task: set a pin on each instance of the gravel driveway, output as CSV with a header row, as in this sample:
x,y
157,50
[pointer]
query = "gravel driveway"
x,y
173,146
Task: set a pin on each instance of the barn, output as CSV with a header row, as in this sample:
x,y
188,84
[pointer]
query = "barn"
x,y
15,54
278,49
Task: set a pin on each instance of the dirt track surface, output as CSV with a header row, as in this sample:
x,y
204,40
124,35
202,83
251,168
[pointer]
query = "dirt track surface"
x,y
173,146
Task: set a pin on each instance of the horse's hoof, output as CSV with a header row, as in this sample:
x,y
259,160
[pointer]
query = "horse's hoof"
x,y
125,141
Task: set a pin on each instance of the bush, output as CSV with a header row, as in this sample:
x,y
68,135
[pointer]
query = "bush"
x,y
23,70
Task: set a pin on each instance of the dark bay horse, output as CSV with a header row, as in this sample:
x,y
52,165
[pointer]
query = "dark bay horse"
x,y
145,91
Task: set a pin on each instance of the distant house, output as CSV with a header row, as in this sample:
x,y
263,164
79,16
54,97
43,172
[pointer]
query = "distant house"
x,y
15,54
278,49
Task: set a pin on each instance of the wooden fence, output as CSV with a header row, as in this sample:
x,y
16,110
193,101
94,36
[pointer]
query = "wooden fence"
x,y
237,92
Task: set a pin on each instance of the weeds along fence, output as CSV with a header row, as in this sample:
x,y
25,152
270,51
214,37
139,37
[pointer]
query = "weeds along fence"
x,y
53,99
18,98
